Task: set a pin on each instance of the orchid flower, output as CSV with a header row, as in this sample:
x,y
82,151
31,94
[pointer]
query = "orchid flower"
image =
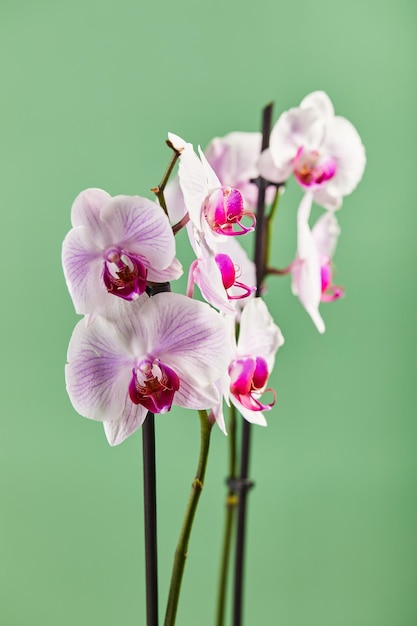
x,y
311,270
115,246
322,150
215,210
234,159
145,356
253,358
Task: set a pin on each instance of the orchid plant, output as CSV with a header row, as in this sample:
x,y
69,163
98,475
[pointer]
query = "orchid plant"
x,y
141,348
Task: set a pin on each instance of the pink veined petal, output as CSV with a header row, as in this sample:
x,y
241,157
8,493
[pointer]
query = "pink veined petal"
x,y
173,272
326,232
320,101
131,419
187,336
86,208
192,397
140,226
98,370
83,269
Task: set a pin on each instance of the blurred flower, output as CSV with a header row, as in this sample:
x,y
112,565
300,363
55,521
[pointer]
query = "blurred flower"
x,y
323,151
115,246
146,355
311,270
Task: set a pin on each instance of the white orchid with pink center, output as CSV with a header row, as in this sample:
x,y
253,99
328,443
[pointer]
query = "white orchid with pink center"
x,y
322,150
145,356
253,358
311,270
115,247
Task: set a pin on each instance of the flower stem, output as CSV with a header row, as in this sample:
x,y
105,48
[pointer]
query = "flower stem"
x,y
244,484
149,500
159,189
230,516
182,546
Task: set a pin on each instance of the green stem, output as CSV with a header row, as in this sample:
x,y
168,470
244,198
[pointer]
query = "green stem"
x,y
159,190
268,220
182,546
231,504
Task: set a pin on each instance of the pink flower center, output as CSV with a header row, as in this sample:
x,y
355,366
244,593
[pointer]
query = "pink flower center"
x,y
153,385
223,210
249,376
124,274
311,169
228,272
329,292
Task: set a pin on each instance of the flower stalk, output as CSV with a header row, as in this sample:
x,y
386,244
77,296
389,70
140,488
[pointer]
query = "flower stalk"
x,y
261,246
182,546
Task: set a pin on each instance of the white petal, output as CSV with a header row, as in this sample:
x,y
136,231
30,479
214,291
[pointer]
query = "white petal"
x,y
258,334
306,272
192,397
177,141
320,101
269,171
294,129
254,417
326,232
343,143
174,201
212,180
193,184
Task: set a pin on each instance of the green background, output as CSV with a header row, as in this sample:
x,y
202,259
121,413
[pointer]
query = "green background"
x,y
89,91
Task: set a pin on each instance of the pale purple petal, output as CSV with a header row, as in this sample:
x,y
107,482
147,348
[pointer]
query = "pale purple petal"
x,y
192,397
131,419
98,370
83,269
187,336
86,208
173,272
140,226
269,171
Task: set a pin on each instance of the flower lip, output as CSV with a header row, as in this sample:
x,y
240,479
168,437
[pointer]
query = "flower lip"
x,y
329,291
153,385
223,209
311,169
228,274
124,274
248,377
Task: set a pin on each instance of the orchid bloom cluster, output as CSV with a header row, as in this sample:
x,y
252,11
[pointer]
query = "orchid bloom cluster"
x,y
141,348
133,353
